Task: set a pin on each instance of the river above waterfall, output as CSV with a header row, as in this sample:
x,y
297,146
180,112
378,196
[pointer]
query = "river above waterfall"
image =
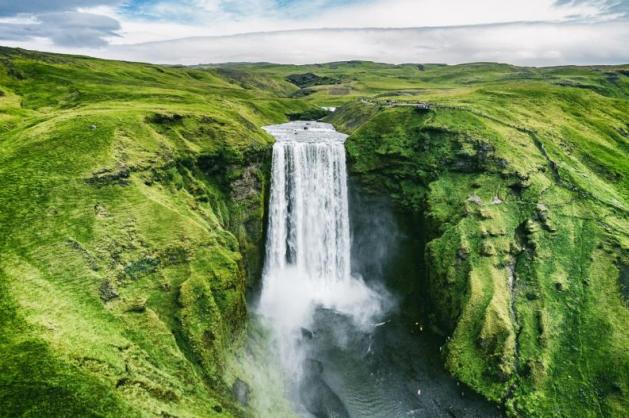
x,y
344,347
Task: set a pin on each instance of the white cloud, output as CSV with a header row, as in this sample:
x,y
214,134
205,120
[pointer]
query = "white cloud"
x,y
517,43
522,32
226,17
416,13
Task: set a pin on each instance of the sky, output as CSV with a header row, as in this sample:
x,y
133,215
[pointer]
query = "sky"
x,y
531,32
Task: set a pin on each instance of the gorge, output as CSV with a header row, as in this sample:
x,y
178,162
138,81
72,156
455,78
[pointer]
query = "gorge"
x,y
462,252
339,339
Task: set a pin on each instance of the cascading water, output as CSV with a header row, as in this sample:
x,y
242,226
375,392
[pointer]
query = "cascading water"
x,y
309,221
308,240
342,350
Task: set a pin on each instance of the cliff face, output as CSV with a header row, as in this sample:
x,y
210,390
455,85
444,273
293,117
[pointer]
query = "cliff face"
x,y
130,229
525,224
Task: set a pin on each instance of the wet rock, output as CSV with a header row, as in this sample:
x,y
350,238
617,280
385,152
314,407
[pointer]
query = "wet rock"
x,y
246,186
462,254
484,147
530,227
423,107
241,391
307,334
542,212
313,367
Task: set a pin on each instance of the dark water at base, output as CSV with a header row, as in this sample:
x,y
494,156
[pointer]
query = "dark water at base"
x,y
386,373
394,370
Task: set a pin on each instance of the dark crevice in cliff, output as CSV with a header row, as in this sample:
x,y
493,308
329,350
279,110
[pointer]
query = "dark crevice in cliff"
x,y
386,240
405,267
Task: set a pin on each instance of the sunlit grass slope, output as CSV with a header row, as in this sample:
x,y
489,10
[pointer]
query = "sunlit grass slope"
x,y
131,206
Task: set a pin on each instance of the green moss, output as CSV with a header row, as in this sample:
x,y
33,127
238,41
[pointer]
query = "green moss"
x,y
514,230
124,220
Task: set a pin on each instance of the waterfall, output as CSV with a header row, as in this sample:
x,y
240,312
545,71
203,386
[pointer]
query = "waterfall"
x,y
334,346
307,263
309,221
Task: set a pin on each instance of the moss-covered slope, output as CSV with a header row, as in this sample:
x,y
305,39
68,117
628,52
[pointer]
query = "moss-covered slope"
x,y
523,191
132,201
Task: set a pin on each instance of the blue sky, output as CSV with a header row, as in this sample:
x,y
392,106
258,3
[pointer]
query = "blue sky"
x,y
150,8
494,29
198,12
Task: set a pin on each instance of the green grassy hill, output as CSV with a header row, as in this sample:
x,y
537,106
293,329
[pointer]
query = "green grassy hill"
x,y
132,204
132,207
